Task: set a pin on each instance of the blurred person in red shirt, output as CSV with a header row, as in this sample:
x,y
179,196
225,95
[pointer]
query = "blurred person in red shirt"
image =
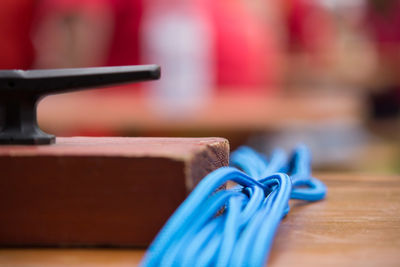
x,y
383,22
247,50
80,33
107,32
309,26
310,41
16,49
72,33
94,32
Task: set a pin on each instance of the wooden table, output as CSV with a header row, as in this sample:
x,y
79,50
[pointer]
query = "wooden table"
x,y
357,225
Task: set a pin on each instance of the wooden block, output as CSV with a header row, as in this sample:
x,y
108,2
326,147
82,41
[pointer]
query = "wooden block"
x,y
99,191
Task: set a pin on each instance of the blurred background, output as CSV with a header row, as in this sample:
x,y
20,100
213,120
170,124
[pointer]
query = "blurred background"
x,y
264,73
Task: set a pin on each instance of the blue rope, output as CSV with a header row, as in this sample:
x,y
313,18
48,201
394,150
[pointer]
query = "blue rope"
x,y
236,226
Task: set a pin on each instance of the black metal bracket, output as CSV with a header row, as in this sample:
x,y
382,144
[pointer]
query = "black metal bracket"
x,y
21,90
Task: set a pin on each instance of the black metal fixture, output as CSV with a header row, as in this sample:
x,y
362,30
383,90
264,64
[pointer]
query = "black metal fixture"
x,y
21,90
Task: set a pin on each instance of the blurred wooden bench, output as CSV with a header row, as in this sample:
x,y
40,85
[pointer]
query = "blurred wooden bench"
x,y
230,115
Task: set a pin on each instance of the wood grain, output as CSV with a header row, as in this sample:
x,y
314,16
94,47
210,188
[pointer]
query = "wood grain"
x,y
357,225
99,191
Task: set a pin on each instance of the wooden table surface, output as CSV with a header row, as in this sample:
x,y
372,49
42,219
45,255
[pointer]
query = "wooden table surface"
x,y
357,225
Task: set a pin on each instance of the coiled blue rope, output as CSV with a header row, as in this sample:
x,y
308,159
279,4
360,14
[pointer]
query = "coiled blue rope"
x,y
236,226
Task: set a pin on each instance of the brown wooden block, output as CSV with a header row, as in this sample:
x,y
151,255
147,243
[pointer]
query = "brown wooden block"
x,y
99,191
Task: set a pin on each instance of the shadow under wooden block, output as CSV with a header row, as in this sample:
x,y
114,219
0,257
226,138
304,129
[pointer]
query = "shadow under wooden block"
x,y
99,191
